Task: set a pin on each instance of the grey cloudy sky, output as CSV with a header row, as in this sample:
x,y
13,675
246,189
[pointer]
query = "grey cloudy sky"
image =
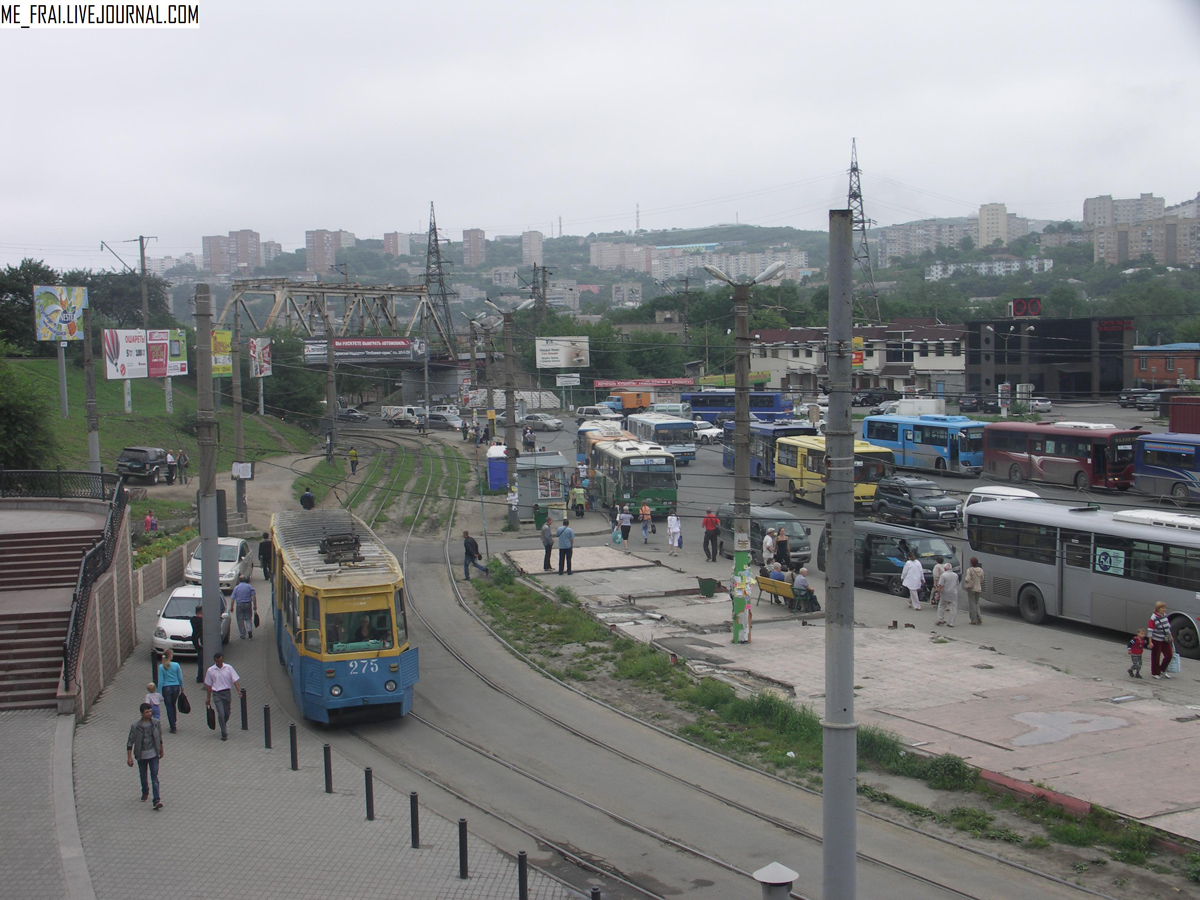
x,y
287,116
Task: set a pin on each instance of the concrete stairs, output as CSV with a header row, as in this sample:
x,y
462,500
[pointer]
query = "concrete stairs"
x,y
237,526
31,658
46,560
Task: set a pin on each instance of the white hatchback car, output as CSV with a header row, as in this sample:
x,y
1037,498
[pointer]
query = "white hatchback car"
x,y
233,561
173,630
1041,404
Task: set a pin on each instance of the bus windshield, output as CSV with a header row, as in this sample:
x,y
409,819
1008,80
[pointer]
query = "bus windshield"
x,y
359,631
869,469
644,478
970,440
674,434
1122,451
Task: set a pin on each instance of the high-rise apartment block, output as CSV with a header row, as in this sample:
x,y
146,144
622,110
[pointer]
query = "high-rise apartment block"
x,y
915,238
247,250
505,277
239,253
627,294
531,248
270,250
396,243
216,254
475,248
1103,212
993,224
321,248
1171,240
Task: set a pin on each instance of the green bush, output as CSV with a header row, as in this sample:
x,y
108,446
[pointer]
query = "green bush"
x,y
160,544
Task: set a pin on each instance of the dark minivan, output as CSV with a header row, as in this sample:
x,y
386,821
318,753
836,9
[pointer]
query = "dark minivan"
x,y
762,518
880,552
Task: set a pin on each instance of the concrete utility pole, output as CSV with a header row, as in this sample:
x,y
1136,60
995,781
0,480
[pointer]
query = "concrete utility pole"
x,y
510,404
145,290
89,393
330,383
206,502
840,750
239,443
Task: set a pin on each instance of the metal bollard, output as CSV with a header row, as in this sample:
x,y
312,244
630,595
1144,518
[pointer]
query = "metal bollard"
x,y
462,848
522,876
245,714
267,726
595,893
414,819
369,778
295,747
328,770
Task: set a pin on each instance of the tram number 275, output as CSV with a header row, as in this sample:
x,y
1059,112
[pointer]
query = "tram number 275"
x,y
364,666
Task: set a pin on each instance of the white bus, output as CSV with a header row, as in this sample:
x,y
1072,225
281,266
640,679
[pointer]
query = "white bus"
x,y
676,434
1090,565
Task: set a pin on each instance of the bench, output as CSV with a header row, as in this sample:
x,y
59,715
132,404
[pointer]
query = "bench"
x,y
781,589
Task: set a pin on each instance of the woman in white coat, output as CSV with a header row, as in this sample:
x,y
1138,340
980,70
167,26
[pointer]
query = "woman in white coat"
x,y
912,576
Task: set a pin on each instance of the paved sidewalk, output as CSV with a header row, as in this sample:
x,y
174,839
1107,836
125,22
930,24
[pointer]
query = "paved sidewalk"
x,y
237,822
30,866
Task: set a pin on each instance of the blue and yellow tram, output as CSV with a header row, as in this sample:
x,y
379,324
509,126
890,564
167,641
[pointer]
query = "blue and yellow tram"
x,y
337,595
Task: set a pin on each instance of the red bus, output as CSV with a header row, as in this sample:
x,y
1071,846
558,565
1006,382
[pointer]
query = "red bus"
x,y
1085,454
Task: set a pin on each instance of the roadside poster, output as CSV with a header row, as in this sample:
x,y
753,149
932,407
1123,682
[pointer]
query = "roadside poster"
x,y
124,354
58,311
565,352
222,353
166,353
260,357
856,353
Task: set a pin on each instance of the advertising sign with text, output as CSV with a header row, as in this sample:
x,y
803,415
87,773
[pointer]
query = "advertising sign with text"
x,y
260,357
124,354
166,353
222,353
367,349
58,312
563,352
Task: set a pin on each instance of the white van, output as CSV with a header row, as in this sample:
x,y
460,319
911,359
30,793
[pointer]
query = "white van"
x,y
982,494
403,416
597,413
679,410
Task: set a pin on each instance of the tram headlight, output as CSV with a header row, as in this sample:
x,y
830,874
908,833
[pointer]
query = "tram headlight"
x,y
389,685
335,690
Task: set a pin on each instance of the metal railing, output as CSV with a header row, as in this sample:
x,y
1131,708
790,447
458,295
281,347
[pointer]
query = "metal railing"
x,y
57,484
95,563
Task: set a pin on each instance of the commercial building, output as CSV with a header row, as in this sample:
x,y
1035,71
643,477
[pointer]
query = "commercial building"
x,y
474,248
1165,365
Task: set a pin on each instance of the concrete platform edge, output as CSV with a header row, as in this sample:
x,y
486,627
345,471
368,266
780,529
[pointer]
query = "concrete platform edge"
x,y
66,823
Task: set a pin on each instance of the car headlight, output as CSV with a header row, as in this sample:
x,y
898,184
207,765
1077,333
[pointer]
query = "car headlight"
x,y
389,685
931,509
160,632
335,690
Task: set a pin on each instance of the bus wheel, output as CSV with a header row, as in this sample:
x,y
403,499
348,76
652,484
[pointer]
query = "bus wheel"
x,y
1187,641
1032,606
822,499
1179,492
1082,483
792,492
1015,475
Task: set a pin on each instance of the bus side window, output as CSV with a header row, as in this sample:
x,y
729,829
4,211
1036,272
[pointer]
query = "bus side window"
x,y
908,436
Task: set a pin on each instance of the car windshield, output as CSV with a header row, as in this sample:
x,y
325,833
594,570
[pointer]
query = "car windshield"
x,y
180,607
358,631
923,496
927,548
794,531
225,553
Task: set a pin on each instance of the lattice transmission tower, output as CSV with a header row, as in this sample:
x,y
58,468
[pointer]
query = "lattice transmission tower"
x,y
435,286
866,297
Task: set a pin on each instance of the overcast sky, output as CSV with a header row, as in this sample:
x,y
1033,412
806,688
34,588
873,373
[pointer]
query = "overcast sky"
x,y
287,116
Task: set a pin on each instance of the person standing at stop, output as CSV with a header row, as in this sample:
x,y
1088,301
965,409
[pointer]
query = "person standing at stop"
x,y
712,530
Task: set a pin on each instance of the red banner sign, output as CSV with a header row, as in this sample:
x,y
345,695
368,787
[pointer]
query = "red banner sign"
x,y
642,382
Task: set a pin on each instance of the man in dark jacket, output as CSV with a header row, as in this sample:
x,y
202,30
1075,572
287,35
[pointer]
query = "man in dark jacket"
x,y
145,746
198,641
307,500
471,555
265,549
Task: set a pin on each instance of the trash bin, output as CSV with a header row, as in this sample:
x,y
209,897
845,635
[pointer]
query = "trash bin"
x,y
539,516
708,586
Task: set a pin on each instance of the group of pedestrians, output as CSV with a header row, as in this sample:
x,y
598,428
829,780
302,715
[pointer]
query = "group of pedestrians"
x,y
177,464
1157,635
946,585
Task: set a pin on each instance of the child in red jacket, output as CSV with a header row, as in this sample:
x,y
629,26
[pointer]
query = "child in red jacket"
x,y
1136,645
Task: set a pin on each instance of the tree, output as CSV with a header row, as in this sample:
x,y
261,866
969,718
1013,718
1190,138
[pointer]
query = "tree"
x,y
967,244
116,298
294,391
16,303
26,440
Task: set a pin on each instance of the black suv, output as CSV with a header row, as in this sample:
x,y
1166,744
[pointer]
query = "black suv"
x,y
968,403
143,462
873,397
916,500
1129,398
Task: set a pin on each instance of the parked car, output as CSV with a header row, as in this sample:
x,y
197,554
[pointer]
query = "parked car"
x,y
596,414
916,500
445,421
173,630
543,422
352,415
706,433
989,406
233,562
880,551
1156,401
147,463
1041,404
874,397
762,518
886,408
1129,398
968,403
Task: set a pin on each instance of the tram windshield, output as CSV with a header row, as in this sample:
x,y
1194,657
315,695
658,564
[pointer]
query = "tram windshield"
x,y
359,631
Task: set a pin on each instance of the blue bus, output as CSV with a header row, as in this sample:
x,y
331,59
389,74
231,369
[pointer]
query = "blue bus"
x,y
763,436
940,443
1168,464
713,405
675,434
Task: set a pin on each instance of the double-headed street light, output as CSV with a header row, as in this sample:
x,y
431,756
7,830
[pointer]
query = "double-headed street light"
x,y
741,424
510,406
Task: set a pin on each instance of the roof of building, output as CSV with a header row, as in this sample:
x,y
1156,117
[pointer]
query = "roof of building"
x,y
1184,346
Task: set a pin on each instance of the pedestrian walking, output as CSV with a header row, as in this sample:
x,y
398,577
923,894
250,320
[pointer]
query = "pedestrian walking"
x,y
768,546
266,551
912,577
578,500
674,532
170,467
939,566
181,464
783,550
972,583
198,640
170,685
245,605
566,545
625,520
645,515
471,556
947,605
1136,645
219,683
1162,641
145,745
712,530
353,457
547,544
155,699
308,500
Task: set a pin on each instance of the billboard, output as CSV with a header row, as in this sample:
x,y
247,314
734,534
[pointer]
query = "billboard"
x,y
124,354
641,382
367,349
166,353
260,357
222,353
856,353
57,311
564,352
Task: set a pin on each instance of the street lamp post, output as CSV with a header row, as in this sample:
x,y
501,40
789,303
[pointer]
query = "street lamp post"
x,y
510,407
741,426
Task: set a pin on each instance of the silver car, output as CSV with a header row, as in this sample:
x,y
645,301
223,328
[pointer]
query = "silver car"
x,y
543,422
445,421
233,562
